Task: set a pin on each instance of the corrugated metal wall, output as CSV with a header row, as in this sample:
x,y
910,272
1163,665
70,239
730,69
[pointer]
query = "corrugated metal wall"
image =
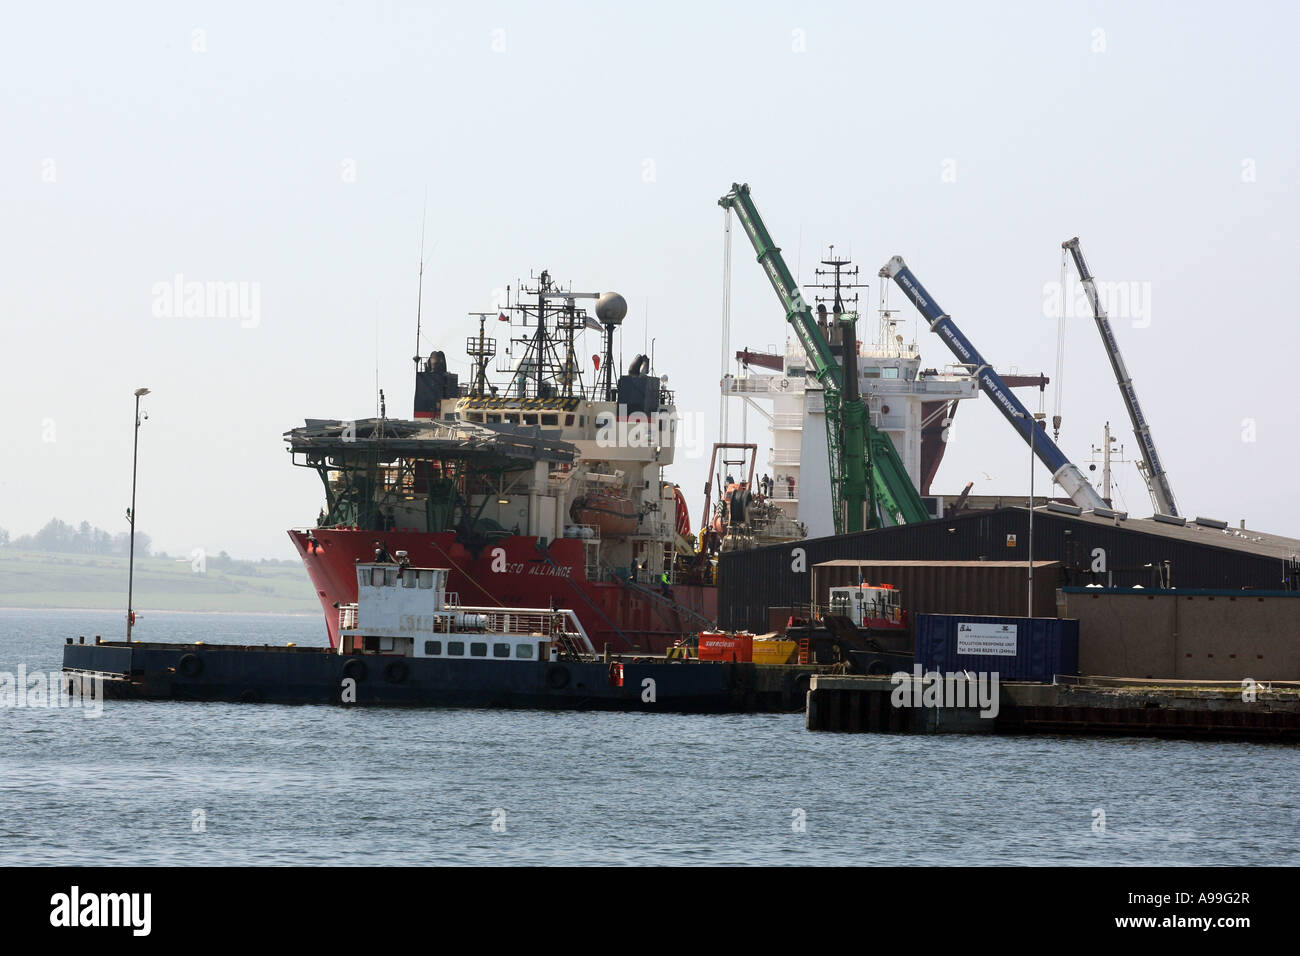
x,y
780,576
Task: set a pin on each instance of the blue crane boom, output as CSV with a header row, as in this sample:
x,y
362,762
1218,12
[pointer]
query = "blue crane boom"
x,y
1064,473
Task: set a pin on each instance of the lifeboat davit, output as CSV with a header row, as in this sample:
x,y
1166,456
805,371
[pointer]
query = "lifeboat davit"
x,y
613,514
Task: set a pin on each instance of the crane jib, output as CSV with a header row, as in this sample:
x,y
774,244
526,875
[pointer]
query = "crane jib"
x,y
989,380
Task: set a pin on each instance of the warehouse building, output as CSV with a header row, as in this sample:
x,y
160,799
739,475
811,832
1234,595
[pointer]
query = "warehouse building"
x,y
1086,549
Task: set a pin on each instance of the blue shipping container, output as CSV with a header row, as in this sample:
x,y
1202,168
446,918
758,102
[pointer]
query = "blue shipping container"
x,y
1016,648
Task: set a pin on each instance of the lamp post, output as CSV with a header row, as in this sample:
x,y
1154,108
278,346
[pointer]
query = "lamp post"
x,y
130,517
1033,428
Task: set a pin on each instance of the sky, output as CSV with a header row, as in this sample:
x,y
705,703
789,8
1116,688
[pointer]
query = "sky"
x,y
294,149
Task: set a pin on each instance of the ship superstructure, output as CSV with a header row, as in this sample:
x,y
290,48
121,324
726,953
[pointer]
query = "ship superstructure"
x,y
913,406
545,483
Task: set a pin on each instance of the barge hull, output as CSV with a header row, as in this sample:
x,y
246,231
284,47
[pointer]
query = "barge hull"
x,y
302,675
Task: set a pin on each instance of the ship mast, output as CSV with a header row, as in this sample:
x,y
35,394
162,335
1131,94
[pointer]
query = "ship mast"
x,y
480,348
842,278
551,375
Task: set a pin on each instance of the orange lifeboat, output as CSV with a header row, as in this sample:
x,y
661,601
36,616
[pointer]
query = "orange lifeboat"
x,y
613,514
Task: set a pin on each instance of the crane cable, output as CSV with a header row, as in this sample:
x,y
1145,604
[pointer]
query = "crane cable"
x,y
1060,354
726,321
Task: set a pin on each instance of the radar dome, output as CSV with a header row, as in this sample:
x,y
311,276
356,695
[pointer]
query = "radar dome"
x,y
611,308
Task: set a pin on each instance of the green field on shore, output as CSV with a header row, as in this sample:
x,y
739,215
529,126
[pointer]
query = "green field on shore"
x,y
33,579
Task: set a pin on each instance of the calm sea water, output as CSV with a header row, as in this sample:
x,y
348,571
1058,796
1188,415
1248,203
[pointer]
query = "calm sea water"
x,y
309,785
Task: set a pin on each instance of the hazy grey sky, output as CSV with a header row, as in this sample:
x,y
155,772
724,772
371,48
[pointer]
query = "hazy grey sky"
x,y
290,147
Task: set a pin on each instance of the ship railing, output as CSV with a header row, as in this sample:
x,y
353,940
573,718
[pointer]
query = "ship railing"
x,y
515,620
774,384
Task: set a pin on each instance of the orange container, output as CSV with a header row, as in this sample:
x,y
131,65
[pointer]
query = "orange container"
x,y
720,646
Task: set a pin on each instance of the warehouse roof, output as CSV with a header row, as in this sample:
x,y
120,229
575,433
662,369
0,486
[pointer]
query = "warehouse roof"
x,y
869,562
1256,542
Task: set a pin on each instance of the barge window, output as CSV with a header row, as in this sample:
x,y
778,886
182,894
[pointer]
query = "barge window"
x,y
524,651
456,648
433,648
500,650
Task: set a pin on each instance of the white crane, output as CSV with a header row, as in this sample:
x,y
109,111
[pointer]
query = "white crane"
x,y
1153,473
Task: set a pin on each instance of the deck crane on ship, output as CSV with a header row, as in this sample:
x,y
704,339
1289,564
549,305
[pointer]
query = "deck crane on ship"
x,y
1064,472
869,485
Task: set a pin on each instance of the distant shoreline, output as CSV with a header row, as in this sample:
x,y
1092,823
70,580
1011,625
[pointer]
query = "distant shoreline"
x,y
140,611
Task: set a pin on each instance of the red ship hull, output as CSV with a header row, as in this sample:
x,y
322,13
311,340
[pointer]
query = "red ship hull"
x,y
511,572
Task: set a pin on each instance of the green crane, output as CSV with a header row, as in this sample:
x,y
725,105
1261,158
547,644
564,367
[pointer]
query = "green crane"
x,y
867,476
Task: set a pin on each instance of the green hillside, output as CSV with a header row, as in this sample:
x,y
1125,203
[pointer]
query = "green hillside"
x,y
35,579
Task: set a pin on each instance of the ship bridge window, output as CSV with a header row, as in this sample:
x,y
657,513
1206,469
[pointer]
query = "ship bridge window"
x,y
550,419
512,419
408,580
494,419
524,651
390,577
475,416
478,649
891,372
433,648
426,579
500,650
568,419
376,577
530,419
456,648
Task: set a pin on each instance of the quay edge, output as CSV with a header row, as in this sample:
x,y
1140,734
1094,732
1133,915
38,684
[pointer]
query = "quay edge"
x,y
1098,706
